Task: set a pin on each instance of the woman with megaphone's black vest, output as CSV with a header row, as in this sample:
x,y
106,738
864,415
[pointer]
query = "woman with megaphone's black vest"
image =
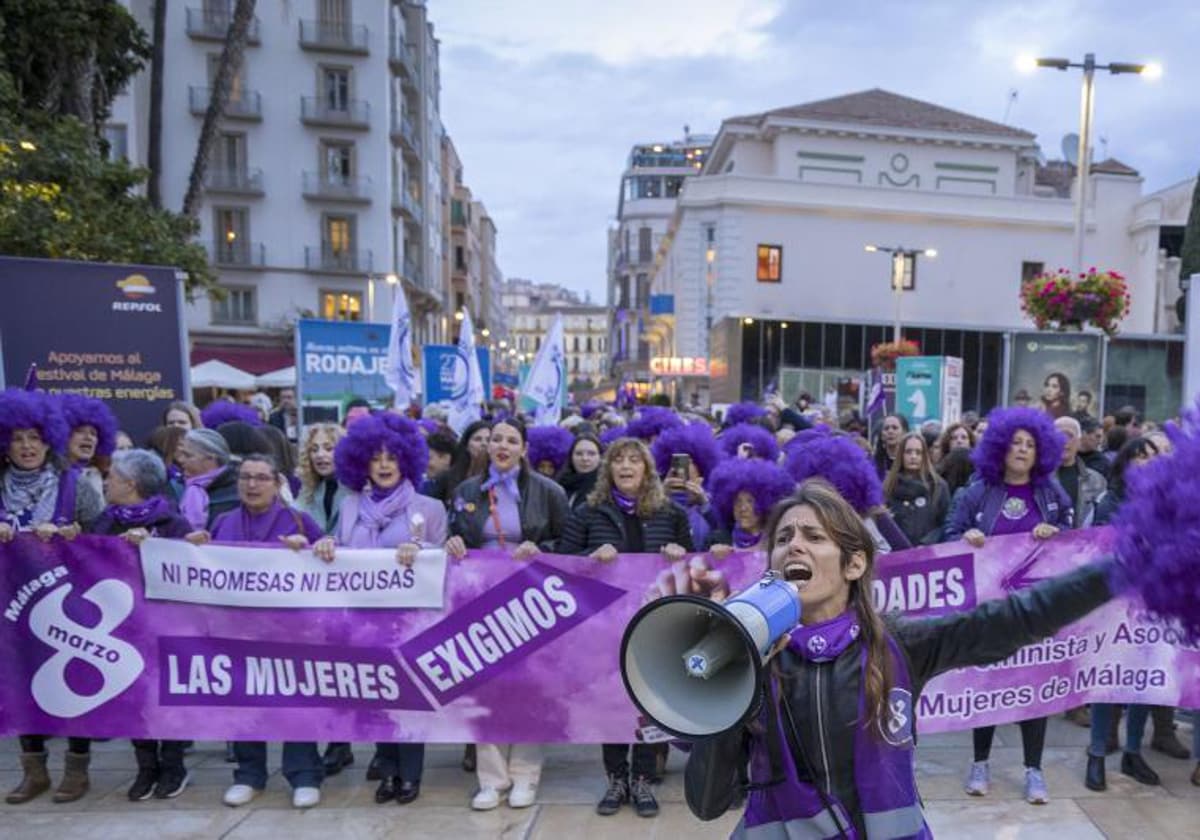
x,y
628,512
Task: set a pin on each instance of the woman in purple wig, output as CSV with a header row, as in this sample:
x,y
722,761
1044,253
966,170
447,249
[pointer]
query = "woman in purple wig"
x,y
831,749
1016,460
38,495
380,460
549,447
743,493
749,440
628,513
685,458
93,436
511,508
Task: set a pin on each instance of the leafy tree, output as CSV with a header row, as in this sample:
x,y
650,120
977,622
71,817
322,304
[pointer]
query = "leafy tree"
x,y
1190,253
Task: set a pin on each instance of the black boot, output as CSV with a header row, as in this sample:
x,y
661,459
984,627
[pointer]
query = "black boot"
x,y
337,757
1133,765
146,753
1094,777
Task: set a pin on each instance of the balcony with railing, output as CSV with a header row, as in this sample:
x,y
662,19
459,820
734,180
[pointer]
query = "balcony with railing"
x,y
352,113
403,58
330,187
241,105
405,202
213,24
405,134
237,253
337,260
237,181
333,36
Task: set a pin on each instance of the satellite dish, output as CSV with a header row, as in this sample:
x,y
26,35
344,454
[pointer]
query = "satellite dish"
x,y
1070,149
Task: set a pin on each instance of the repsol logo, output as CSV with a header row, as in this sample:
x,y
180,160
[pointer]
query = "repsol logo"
x,y
136,306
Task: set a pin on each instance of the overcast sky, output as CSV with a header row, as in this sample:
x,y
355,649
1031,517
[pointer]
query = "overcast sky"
x,y
544,98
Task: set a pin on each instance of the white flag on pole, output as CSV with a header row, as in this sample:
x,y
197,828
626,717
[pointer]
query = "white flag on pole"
x,y
544,391
401,377
466,402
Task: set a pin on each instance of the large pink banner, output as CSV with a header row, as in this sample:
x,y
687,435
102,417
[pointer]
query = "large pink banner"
x,y
235,643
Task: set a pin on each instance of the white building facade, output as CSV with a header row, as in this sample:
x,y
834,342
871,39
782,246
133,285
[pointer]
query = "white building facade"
x,y
531,309
765,255
324,191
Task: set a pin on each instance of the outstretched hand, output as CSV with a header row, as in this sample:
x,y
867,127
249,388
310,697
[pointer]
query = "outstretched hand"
x,y
690,577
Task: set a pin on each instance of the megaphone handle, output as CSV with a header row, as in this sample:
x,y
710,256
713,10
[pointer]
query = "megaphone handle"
x,y
792,736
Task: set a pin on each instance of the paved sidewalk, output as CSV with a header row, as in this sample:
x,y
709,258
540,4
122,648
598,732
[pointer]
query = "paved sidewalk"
x,y
573,781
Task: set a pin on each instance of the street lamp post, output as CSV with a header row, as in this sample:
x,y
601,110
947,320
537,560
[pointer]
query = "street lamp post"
x,y
904,274
392,280
1087,104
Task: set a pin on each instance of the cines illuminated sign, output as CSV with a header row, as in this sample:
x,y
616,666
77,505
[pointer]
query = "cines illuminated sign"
x,y
679,366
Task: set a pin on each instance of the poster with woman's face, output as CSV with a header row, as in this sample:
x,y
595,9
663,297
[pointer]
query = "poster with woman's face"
x,y
1057,372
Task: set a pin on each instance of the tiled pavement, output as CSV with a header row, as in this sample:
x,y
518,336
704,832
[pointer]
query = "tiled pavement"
x,y
573,781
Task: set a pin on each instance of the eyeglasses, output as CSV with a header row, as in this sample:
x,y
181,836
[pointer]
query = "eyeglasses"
x,y
256,479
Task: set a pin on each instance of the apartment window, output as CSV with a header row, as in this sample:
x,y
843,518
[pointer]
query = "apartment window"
x,y
335,88
334,13
116,139
904,271
770,264
238,307
623,293
460,258
460,301
643,291
337,162
231,231
1029,270
575,364
600,344
645,244
537,343
648,186
673,184
338,236
589,341
576,345
341,306
229,153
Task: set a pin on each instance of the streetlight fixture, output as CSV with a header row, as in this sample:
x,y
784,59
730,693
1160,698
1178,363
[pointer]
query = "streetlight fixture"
x,y
904,273
1150,70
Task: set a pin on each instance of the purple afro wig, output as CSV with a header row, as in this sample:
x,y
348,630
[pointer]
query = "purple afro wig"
x,y
548,443
761,440
694,439
370,435
767,483
591,407
651,421
1003,423
21,409
841,462
78,410
226,411
743,412
804,436
429,426
1158,530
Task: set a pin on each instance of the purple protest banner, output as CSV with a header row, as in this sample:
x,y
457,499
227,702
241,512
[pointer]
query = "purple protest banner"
x,y
520,651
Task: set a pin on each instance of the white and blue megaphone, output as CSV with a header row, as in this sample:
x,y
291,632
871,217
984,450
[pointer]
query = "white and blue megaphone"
x,y
695,666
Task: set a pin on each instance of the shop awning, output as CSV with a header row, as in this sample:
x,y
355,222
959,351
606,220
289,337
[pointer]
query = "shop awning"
x,y
254,360
282,378
217,374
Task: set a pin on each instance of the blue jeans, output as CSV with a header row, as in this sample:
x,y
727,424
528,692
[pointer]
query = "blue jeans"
x,y
1135,727
403,760
302,765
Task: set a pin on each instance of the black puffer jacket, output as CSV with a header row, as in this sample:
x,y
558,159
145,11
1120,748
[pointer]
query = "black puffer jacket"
x,y
828,692
595,525
919,513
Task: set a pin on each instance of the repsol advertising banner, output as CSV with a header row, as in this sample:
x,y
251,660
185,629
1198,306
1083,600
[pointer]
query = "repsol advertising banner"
x,y
106,330
103,639
337,361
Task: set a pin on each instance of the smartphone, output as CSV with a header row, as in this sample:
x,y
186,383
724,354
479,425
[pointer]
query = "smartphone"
x,y
681,466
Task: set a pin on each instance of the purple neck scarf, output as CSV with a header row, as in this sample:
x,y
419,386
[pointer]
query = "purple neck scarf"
x,y
507,480
265,527
133,516
744,539
376,512
194,502
626,504
826,641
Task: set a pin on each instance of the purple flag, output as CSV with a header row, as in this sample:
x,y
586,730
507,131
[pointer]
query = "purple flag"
x,y
31,378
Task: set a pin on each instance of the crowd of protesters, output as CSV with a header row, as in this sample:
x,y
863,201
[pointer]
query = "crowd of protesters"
x,y
602,483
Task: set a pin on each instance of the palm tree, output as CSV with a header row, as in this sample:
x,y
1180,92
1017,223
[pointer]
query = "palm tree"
x,y
157,62
227,67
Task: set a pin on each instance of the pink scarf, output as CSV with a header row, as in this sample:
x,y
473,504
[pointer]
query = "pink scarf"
x,y
193,504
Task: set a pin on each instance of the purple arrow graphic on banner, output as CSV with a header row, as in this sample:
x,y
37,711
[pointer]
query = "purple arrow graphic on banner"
x,y
1020,577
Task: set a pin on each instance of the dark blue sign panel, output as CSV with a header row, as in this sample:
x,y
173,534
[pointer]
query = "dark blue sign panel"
x,y
107,330
445,372
337,361
662,304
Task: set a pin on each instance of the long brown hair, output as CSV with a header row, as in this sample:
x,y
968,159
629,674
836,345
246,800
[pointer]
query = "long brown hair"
x,y
651,495
897,467
847,531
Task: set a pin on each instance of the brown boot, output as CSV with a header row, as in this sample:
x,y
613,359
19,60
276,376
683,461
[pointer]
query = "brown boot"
x,y
75,778
34,783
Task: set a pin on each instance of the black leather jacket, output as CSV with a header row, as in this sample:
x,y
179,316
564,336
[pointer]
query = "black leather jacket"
x,y
543,510
824,697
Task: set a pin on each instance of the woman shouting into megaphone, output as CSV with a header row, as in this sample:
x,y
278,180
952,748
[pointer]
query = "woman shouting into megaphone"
x,y
831,748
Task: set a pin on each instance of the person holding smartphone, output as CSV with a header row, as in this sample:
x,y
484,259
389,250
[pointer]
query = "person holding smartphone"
x,y
684,457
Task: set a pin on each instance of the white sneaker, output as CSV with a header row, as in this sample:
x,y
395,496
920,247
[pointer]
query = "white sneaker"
x,y
306,797
523,795
488,798
238,795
